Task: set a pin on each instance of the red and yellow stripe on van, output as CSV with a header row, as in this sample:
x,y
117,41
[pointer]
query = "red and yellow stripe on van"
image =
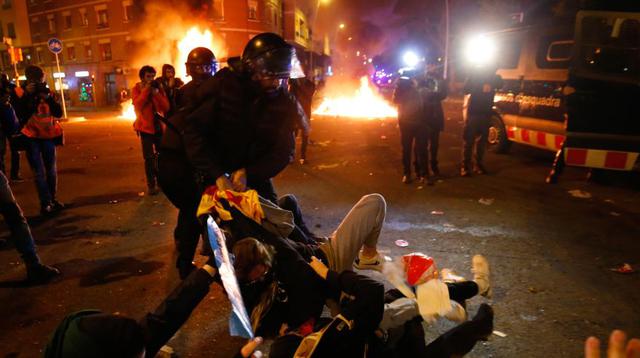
x,y
535,138
597,158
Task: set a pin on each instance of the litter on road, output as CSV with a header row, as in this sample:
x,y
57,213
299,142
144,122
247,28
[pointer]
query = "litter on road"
x,y
499,334
624,268
402,243
436,212
577,193
486,201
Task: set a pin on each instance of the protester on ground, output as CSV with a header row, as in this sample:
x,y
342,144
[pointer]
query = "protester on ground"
x,y
21,236
433,90
479,89
149,101
91,333
176,176
38,111
413,129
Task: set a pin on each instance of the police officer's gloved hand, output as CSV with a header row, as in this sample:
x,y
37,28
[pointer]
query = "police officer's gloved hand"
x,y
239,180
223,183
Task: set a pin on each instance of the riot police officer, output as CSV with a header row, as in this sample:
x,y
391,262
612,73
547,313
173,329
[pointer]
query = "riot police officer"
x,y
201,65
176,176
243,135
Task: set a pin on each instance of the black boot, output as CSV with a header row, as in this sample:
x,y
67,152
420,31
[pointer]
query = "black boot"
x,y
39,273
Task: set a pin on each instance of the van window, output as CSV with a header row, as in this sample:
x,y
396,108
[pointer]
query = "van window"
x,y
609,46
559,51
554,52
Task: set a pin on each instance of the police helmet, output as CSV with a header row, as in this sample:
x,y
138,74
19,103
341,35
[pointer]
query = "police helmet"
x,y
269,55
201,62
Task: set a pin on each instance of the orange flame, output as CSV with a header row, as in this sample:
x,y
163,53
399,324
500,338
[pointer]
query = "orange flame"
x,y
126,111
365,104
194,37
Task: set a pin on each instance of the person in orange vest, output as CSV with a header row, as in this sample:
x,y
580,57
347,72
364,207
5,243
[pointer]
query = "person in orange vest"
x,y
39,111
149,102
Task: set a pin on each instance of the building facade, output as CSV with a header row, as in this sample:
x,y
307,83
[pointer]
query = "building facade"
x,y
98,46
96,42
14,32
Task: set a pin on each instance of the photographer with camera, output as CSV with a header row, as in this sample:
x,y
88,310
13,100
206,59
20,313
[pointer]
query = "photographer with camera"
x,y
7,96
150,102
38,111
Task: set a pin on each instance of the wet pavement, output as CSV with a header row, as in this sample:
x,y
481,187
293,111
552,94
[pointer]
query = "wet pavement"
x,y
551,251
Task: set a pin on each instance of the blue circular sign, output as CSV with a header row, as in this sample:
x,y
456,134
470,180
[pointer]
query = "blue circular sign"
x,y
55,45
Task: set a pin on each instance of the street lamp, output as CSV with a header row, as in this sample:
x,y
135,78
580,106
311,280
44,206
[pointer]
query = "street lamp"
x,y
342,26
313,32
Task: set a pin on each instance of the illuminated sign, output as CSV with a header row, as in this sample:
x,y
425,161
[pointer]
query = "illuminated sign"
x,y
82,74
59,75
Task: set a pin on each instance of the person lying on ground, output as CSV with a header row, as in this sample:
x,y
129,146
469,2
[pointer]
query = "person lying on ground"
x,y
91,333
353,332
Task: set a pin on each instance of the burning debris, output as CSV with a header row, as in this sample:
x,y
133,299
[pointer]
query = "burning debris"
x,y
365,104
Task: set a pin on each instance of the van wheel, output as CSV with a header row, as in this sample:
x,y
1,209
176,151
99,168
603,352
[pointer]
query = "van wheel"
x,y
498,141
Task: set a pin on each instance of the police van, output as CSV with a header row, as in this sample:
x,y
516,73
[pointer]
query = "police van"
x,y
572,89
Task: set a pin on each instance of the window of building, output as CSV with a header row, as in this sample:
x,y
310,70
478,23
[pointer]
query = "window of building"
x,y
39,56
127,8
218,10
88,51
1,30
51,23
11,30
71,52
84,19
105,51
253,9
35,26
6,4
33,2
102,16
67,20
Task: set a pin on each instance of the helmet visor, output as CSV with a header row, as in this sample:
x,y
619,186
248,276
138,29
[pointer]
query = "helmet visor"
x,y
277,63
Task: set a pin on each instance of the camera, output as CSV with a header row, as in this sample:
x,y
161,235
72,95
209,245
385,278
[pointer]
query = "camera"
x,y
155,84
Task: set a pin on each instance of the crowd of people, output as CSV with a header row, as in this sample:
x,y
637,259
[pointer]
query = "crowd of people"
x,y
231,131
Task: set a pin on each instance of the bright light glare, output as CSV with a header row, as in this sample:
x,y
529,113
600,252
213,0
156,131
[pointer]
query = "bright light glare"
x,y
410,59
480,50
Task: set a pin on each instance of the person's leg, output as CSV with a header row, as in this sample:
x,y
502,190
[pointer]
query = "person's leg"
x,y
406,140
434,142
3,151
15,163
360,229
468,137
460,340
157,138
20,232
34,155
51,169
146,140
483,137
304,143
462,291
290,202
421,152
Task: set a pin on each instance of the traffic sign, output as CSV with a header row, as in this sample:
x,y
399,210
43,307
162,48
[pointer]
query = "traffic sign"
x,y
55,45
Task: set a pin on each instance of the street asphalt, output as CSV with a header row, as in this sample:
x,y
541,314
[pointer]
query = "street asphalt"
x,y
552,248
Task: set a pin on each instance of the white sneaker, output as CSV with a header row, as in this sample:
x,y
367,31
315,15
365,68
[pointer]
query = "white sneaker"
x,y
480,270
369,263
457,313
448,276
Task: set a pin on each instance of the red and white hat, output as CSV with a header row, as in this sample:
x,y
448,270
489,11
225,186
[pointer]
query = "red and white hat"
x,y
419,268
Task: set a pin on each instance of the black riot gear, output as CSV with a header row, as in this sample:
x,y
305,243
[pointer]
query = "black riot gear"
x,y
201,63
269,55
